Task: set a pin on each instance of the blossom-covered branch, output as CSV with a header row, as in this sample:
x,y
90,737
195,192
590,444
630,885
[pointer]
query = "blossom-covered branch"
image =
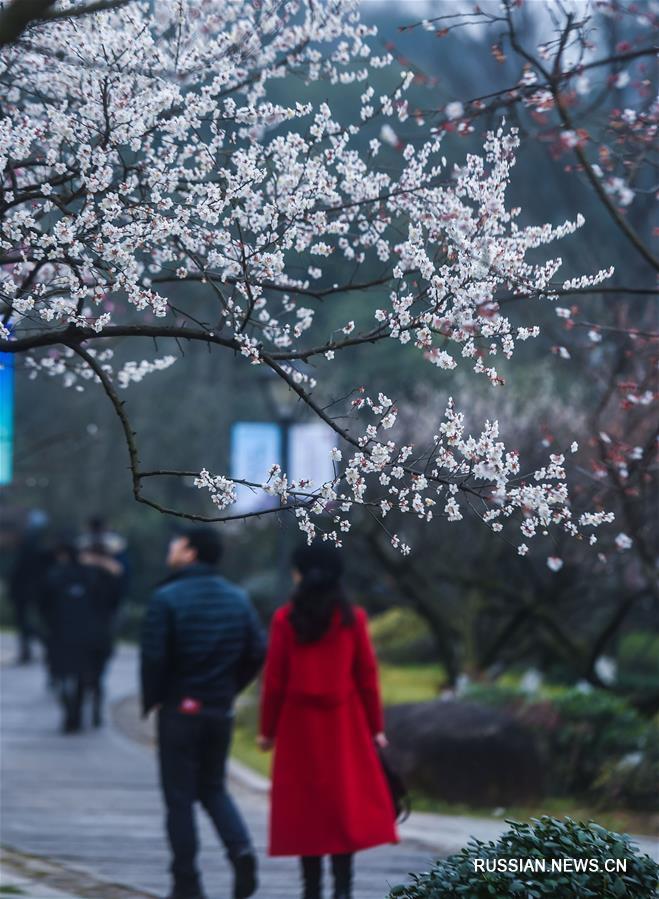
x,y
146,149
562,76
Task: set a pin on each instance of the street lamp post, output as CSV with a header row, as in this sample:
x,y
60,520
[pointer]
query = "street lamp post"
x,y
282,401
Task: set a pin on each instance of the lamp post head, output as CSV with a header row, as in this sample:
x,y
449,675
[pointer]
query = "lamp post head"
x,y
281,398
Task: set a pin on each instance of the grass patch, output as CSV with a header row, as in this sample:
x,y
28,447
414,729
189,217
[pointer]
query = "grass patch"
x,y
410,683
9,890
619,820
244,747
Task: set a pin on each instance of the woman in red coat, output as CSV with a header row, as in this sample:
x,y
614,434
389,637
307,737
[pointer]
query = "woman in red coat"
x,y
321,710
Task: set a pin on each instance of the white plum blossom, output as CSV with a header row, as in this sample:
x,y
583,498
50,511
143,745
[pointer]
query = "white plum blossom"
x,y
454,110
136,371
623,541
606,669
554,563
582,85
569,139
222,490
388,135
620,190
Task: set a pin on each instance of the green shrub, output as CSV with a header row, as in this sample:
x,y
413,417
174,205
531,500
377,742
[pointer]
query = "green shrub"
x,y
638,661
6,613
401,637
578,733
591,729
633,780
543,839
498,695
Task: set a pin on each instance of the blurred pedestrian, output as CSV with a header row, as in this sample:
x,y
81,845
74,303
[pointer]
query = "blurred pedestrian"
x,y
26,581
107,581
100,537
321,710
202,644
80,600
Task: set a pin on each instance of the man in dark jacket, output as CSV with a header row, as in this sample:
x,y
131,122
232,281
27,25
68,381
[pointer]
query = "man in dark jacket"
x,y
202,644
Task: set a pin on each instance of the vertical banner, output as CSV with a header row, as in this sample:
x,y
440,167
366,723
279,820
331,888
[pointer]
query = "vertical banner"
x,y
255,446
6,417
309,453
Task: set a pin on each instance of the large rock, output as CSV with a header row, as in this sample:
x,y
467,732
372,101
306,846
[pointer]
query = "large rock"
x,y
463,752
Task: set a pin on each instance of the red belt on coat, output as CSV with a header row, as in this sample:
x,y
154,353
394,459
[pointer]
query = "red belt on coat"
x,y
324,700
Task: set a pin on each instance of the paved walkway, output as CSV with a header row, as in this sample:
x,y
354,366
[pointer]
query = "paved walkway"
x,y
84,816
91,803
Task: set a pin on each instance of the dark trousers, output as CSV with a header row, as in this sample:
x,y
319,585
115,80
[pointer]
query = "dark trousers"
x,y
193,751
72,694
74,688
24,630
312,872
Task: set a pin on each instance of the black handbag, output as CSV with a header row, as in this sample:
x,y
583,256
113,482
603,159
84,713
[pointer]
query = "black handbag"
x,y
399,795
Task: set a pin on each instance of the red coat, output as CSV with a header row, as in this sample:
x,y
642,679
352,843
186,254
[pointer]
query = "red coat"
x,y
321,703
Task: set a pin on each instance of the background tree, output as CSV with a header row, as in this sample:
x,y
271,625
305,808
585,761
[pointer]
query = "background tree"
x,y
566,64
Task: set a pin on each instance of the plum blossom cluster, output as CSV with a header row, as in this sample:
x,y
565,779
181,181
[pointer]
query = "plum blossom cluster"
x,y
133,372
126,193
222,490
459,474
144,150
65,364
483,250
577,92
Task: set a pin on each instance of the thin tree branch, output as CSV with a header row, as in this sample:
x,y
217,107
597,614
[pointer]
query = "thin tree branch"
x,y
20,15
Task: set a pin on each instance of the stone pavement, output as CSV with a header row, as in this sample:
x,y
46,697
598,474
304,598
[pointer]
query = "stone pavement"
x,y
36,877
83,813
15,882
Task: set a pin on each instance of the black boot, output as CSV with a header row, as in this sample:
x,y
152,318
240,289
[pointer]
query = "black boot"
x,y
24,649
245,881
97,706
186,890
71,699
342,871
177,894
311,875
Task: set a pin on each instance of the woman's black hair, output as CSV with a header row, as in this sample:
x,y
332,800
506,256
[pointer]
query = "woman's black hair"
x,y
319,593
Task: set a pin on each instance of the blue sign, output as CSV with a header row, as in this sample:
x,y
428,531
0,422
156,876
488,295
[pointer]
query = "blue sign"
x,y
6,417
